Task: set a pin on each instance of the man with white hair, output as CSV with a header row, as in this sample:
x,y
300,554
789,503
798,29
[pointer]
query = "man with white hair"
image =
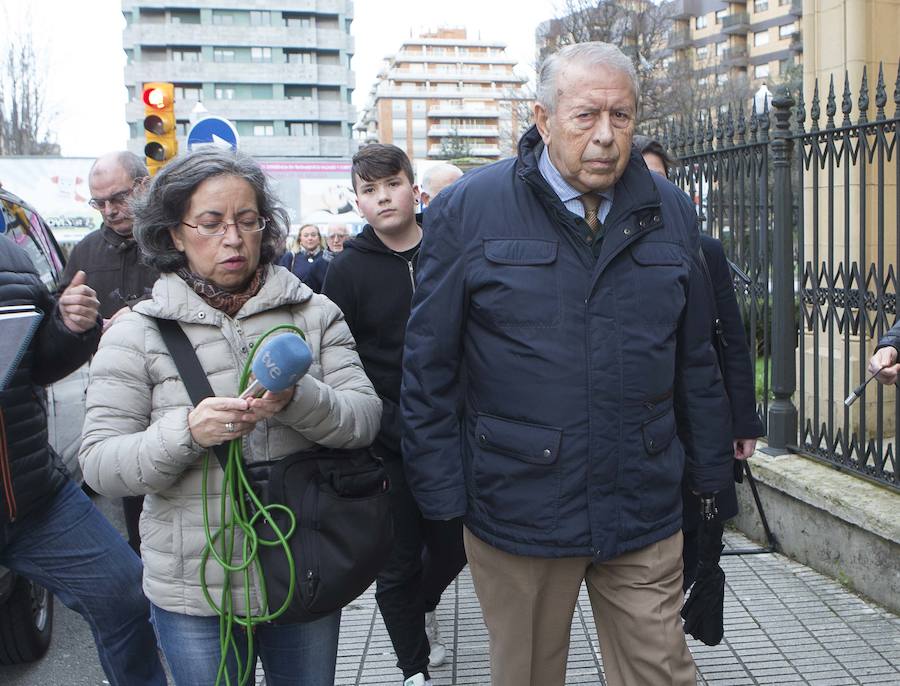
x,y
436,179
558,374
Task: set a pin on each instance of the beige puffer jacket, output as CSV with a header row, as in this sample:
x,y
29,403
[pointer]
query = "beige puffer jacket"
x,y
136,436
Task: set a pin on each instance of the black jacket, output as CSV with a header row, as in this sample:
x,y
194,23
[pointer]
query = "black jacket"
x,y
311,270
373,286
114,269
33,474
549,395
738,373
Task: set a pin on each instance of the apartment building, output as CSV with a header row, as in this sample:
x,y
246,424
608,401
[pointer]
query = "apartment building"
x,y
446,95
756,40
279,70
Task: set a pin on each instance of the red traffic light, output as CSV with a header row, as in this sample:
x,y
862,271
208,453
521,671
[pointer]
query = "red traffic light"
x,y
155,97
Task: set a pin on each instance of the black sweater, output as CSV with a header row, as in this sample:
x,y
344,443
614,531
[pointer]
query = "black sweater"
x,y
30,474
373,286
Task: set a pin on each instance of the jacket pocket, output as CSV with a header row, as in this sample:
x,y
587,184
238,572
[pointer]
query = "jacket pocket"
x,y
662,467
521,286
516,471
659,277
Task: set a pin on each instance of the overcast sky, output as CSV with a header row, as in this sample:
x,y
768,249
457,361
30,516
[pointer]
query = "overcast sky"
x,y
80,44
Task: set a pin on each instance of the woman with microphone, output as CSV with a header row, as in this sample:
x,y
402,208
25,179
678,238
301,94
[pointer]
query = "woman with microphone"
x,y
210,224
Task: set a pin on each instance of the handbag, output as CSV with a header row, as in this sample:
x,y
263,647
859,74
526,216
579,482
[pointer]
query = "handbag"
x,y
340,499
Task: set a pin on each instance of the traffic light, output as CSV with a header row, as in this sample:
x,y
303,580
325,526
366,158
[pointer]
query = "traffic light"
x,y
159,125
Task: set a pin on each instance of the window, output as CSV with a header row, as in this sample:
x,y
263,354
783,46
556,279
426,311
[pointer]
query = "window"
x,y
300,57
299,21
182,126
185,16
260,18
721,79
302,128
223,55
298,92
263,128
700,22
222,18
720,15
260,54
185,55
703,52
787,30
761,71
419,107
760,38
721,46
398,106
399,128
188,92
224,92
760,5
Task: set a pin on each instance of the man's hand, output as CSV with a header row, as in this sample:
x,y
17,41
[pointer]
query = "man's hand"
x,y
217,420
744,448
886,356
78,305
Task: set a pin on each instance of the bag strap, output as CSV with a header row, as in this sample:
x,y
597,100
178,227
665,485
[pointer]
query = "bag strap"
x,y
192,374
720,342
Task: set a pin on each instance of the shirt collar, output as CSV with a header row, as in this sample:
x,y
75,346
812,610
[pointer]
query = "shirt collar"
x,y
559,185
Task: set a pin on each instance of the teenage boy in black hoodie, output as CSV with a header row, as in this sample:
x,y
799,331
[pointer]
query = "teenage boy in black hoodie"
x,y
372,281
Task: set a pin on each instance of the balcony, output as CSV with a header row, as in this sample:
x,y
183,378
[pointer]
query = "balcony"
x,y
473,151
679,38
796,8
237,36
797,42
446,111
406,56
239,72
736,23
455,76
480,131
736,56
277,110
315,6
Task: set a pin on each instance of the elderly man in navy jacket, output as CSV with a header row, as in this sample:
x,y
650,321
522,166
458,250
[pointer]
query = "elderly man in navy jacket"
x,y
557,370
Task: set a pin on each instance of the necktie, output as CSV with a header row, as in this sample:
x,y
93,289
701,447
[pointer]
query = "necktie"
x,y
591,203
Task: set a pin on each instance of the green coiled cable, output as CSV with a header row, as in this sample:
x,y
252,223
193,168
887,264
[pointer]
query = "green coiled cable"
x,y
240,510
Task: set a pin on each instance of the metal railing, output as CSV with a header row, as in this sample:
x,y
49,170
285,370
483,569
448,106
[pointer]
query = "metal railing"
x,y
810,214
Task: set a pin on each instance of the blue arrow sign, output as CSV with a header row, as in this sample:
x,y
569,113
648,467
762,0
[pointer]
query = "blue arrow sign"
x,y
213,131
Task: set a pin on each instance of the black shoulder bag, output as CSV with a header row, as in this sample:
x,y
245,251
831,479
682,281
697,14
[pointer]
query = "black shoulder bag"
x,y
340,499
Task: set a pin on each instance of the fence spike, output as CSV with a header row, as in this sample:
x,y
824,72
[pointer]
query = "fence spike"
x,y
863,103
830,105
764,121
741,129
880,94
710,134
815,111
754,122
846,100
729,127
897,93
720,129
800,116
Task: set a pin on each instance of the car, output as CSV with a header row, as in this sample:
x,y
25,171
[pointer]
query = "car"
x,y
26,609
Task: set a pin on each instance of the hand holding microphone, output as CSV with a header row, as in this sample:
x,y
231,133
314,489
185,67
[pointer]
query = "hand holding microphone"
x,y
277,366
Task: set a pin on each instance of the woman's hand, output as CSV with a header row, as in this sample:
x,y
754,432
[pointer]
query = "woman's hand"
x,y
217,420
268,404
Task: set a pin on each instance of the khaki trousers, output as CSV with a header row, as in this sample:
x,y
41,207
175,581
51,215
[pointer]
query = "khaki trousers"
x,y
528,603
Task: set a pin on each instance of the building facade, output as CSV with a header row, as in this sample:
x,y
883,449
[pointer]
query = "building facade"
x,y
446,96
758,41
280,71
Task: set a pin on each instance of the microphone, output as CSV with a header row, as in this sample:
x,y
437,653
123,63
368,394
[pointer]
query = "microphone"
x,y
278,364
858,391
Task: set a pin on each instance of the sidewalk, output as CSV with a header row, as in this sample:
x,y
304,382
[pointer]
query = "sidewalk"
x,y
784,624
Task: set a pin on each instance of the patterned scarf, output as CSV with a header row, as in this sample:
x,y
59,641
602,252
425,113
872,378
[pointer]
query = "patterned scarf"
x,y
229,302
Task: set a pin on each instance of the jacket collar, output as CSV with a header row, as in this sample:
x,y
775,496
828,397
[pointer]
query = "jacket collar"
x,y
172,298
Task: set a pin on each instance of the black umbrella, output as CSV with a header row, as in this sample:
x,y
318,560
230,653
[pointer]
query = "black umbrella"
x,y
704,608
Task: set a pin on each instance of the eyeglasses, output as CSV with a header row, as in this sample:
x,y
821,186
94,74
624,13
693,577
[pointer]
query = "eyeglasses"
x,y
117,201
210,229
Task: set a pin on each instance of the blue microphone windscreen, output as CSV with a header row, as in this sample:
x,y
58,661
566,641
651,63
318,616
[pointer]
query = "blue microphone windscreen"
x,y
281,362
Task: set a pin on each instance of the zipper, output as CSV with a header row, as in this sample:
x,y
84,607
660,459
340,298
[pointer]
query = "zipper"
x,y
6,473
409,266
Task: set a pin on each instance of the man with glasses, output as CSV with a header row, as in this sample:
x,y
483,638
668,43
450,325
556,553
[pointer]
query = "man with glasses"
x,y
111,259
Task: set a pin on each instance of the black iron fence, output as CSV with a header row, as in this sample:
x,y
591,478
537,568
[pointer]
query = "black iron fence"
x,y
808,212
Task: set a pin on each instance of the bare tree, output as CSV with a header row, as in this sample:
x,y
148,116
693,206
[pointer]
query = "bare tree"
x,y
639,27
24,119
